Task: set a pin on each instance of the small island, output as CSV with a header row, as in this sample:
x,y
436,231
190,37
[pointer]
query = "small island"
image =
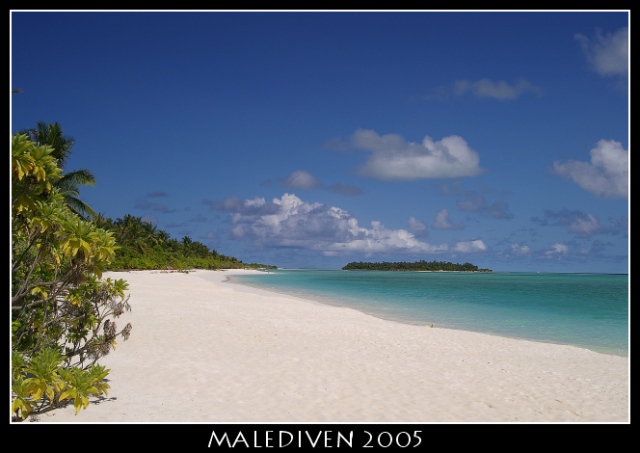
x,y
422,265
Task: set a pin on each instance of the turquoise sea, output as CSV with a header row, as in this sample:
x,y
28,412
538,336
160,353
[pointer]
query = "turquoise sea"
x,y
585,310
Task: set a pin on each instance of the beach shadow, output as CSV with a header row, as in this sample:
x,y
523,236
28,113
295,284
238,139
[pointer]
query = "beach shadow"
x,y
102,399
37,418
95,402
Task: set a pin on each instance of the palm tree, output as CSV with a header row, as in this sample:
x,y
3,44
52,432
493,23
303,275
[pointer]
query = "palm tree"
x,y
150,232
51,134
101,221
133,232
186,246
162,237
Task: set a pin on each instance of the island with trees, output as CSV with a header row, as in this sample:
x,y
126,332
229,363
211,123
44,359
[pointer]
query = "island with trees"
x,y
422,265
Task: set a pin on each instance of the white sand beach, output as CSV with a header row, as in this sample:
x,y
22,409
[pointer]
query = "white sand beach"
x,y
205,350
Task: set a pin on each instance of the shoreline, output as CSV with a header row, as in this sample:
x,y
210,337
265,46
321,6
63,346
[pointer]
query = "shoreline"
x,y
327,300
203,349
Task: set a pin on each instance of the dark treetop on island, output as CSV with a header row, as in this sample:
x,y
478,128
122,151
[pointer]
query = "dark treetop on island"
x,y
417,266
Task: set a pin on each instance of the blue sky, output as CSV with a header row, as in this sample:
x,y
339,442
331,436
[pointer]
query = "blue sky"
x,y
312,139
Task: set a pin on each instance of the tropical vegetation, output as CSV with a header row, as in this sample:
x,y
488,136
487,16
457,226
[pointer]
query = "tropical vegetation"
x,y
144,246
415,266
63,315
63,312
61,148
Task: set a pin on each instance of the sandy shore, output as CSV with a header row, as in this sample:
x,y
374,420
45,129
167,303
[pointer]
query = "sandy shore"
x,y
205,350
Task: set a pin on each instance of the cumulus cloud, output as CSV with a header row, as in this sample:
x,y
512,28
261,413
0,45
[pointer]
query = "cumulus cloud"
x,y
470,246
237,206
557,249
393,158
607,53
501,90
442,222
606,176
416,226
290,222
585,227
518,249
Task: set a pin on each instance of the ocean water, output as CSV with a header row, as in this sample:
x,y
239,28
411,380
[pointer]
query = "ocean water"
x,y
585,310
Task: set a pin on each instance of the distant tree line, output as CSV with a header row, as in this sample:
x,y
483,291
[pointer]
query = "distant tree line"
x,y
143,246
421,265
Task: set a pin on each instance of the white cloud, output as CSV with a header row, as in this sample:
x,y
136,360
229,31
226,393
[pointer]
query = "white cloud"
x,y
442,221
238,231
557,249
246,207
585,227
378,239
470,246
393,158
606,176
255,203
290,222
485,88
416,225
608,53
518,249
